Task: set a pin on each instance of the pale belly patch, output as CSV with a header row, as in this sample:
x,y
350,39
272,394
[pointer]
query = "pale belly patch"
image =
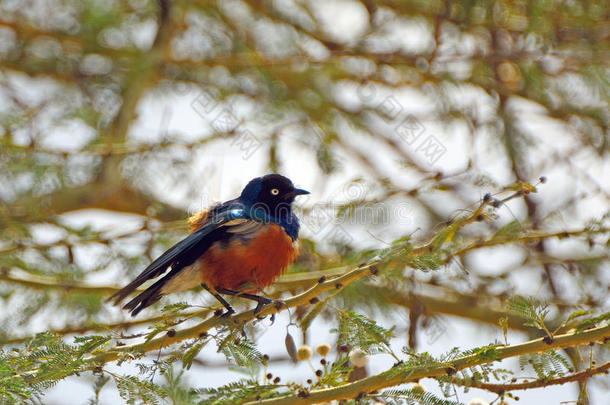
x,y
187,278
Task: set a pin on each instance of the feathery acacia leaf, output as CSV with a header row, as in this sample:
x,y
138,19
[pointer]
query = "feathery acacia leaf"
x,y
360,332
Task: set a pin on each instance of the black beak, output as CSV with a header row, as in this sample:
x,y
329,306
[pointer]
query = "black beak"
x,y
297,191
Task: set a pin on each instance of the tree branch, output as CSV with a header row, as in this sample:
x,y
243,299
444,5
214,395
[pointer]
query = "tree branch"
x,y
502,388
396,376
239,319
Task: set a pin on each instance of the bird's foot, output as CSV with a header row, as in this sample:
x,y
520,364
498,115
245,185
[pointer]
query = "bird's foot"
x,y
262,301
229,312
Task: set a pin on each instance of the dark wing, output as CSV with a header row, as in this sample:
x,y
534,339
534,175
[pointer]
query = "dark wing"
x,y
185,252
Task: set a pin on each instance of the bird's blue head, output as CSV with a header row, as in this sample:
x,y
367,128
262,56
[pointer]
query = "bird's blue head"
x,y
270,198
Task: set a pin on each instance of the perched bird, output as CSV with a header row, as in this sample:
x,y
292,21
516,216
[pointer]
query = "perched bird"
x,y
236,248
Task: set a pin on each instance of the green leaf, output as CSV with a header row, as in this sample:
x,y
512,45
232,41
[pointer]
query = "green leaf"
x,y
592,322
529,309
425,261
236,392
416,396
577,314
240,353
133,390
360,332
508,232
90,343
191,353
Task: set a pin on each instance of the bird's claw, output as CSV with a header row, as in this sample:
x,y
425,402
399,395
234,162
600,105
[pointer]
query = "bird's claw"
x,y
228,313
259,307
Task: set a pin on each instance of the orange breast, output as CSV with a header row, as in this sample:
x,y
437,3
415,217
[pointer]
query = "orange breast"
x,y
248,265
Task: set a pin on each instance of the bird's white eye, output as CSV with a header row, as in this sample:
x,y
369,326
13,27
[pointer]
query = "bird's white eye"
x,y
275,191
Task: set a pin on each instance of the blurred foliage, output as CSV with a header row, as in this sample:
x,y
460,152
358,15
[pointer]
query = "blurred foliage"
x,y
429,105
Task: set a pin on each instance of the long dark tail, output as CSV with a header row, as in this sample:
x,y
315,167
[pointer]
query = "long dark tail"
x,y
146,298
120,295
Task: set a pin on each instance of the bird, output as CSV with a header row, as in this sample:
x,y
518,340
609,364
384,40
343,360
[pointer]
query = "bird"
x,y
235,248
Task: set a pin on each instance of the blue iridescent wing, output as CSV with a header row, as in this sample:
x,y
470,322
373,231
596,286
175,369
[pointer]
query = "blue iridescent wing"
x,y
187,250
